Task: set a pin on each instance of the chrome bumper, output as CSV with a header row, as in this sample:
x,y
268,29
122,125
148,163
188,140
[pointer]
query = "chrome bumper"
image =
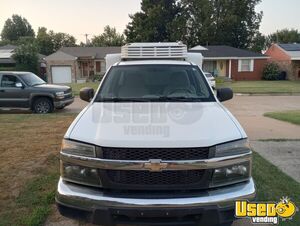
x,y
91,199
62,103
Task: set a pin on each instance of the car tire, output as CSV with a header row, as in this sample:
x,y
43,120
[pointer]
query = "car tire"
x,y
43,106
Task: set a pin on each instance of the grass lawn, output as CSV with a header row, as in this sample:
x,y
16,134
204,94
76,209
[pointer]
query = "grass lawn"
x,y
77,86
29,165
261,87
287,116
29,169
272,184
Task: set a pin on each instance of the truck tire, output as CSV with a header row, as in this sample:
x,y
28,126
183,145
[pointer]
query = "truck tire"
x,y
42,105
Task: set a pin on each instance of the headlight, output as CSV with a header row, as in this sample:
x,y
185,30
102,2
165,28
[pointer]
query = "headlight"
x,y
75,148
233,148
60,95
79,174
231,174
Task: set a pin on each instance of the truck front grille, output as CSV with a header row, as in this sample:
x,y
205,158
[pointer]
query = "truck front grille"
x,y
155,153
144,180
151,179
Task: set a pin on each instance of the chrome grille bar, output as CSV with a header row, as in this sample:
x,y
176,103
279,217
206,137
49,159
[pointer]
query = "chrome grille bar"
x,y
146,165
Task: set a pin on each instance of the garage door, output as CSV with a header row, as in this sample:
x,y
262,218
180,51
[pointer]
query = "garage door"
x,y
61,74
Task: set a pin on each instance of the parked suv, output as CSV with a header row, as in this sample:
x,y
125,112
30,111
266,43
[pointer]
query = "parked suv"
x,y
211,79
154,147
26,90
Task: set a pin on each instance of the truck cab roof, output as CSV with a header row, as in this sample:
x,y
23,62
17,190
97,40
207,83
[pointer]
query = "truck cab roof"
x,y
149,62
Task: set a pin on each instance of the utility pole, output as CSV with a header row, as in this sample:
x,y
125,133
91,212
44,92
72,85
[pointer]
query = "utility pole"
x,y
86,38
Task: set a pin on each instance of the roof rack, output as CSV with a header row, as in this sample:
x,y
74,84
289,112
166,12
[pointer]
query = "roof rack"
x,y
159,50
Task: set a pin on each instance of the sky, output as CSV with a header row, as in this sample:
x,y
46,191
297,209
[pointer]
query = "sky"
x,y
79,17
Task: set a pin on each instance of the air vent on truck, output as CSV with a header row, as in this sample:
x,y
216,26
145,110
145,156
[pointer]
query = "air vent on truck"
x,y
164,50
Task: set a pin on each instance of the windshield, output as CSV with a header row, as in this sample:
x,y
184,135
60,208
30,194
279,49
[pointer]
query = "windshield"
x,y
31,79
155,83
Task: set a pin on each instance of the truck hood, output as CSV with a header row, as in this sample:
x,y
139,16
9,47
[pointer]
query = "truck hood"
x,y
52,87
155,125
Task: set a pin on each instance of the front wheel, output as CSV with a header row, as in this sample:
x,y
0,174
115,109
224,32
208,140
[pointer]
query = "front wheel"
x,y
43,106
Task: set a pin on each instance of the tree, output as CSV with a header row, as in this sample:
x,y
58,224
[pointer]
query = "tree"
x,y
259,43
284,36
222,22
26,57
110,37
199,21
49,42
15,28
44,41
62,40
158,21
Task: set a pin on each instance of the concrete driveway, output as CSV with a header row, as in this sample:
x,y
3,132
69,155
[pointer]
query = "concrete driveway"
x,y
249,111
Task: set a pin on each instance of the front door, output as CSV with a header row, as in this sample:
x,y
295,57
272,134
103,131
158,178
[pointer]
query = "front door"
x,y
221,67
12,96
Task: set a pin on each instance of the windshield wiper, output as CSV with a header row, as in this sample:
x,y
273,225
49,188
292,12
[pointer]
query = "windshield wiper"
x,y
121,99
178,98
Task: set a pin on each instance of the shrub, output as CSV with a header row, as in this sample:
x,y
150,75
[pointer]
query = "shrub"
x,y
26,57
96,77
271,71
7,68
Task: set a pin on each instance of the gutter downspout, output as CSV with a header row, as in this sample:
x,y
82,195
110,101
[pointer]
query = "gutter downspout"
x,y
229,69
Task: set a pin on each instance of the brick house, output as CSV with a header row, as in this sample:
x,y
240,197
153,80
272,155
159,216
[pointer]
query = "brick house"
x,y
234,63
287,56
77,64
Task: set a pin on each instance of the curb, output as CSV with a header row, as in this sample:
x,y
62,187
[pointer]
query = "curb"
x,y
267,94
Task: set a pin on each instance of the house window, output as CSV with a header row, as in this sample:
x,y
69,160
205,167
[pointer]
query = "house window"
x,y
246,65
103,67
98,66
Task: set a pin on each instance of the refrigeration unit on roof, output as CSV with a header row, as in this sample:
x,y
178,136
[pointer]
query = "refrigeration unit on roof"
x,y
160,50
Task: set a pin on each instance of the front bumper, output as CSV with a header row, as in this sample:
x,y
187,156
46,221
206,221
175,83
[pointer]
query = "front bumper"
x,y
63,103
211,207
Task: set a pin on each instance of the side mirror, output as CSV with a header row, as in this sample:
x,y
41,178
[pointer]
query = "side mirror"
x,y
224,94
19,85
86,94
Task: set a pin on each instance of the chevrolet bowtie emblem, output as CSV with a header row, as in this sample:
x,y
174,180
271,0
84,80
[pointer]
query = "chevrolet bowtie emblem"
x,y
155,165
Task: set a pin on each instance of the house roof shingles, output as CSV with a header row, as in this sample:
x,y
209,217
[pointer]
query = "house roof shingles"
x,y
290,47
94,52
222,51
293,50
12,47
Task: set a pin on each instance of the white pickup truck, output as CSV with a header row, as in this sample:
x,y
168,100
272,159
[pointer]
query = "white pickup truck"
x,y
154,146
